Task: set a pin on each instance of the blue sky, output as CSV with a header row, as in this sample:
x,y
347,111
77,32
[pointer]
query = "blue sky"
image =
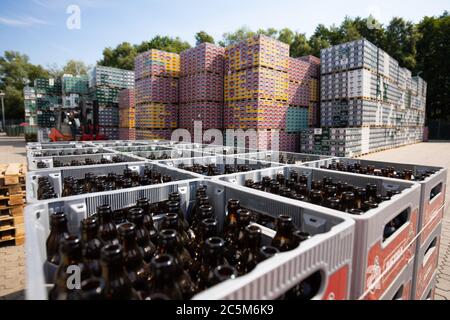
x,y
38,27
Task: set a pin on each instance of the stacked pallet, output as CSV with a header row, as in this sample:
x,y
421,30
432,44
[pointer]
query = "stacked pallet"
x,y
157,94
12,200
257,89
127,113
201,87
105,86
314,90
365,90
75,84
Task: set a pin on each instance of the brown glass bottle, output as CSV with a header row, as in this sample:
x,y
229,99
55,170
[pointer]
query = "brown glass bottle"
x,y
213,256
107,231
92,289
283,238
298,237
202,200
204,212
171,221
266,252
348,201
201,191
174,207
230,224
223,273
91,245
136,216
169,243
164,281
207,228
249,258
149,210
71,256
117,284
137,270
58,231
176,198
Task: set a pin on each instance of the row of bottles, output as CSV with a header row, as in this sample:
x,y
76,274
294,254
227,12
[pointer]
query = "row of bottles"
x,y
163,156
94,183
386,171
68,152
77,163
125,254
337,195
214,170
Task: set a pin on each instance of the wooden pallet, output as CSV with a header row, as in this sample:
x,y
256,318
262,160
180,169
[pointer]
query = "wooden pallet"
x,y
12,190
11,174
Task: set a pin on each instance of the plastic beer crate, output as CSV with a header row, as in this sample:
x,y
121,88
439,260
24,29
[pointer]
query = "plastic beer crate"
x,y
373,255
58,145
401,287
282,156
170,153
41,153
426,263
435,184
220,162
66,160
327,253
430,291
57,175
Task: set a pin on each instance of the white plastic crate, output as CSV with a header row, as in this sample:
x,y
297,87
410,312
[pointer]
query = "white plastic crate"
x,y
430,291
169,153
57,145
57,175
428,207
220,162
282,157
401,287
66,160
328,252
373,256
426,263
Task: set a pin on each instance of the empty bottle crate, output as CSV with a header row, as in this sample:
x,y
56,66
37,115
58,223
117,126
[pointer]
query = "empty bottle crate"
x,y
432,197
57,175
374,255
330,234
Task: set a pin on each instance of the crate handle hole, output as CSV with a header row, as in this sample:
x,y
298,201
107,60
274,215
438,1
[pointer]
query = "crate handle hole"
x,y
399,294
395,224
435,191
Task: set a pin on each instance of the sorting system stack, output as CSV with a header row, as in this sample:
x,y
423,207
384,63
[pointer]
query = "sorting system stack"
x,y
157,94
105,84
127,113
365,91
201,87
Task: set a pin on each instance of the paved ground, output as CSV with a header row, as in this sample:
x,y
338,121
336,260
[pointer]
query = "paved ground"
x,y
433,154
12,259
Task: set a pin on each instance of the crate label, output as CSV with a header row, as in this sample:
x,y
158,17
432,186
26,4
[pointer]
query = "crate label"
x,y
433,205
391,258
337,285
317,131
426,272
436,219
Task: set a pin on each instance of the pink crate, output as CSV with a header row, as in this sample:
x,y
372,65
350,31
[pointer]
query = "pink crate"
x,y
299,93
143,134
127,134
201,87
126,99
210,113
156,63
204,57
156,89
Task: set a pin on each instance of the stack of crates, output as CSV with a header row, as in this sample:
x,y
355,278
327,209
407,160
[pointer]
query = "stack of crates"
x,y
29,99
75,84
156,94
257,89
105,86
201,87
127,130
364,90
48,93
314,90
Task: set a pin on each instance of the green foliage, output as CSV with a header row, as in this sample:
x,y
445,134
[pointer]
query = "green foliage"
x,y
15,72
202,37
76,68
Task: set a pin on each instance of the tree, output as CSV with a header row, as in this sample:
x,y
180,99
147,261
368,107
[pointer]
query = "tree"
x,y
240,34
15,72
121,57
165,43
75,68
286,35
202,37
401,39
300,46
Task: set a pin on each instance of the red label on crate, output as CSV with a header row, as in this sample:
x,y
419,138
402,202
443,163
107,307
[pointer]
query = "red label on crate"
x,y
426,271
407,291
337,285
435,220
433,205
389,260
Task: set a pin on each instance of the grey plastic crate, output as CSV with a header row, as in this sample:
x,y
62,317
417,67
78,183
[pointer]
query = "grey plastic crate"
x,y
328,251
283,157
220,161
428,207
31,154
169,153
66,160
57,175
149,147
372,254
430,291
129,143
401,287
57,145
426,263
